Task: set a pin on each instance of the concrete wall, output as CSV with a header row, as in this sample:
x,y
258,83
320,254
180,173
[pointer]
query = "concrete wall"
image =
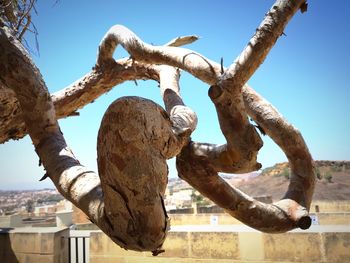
x,y
227,245
34,245
11,221
64,219
207,244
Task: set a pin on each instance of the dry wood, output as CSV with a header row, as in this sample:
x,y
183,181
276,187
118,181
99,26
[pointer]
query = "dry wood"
x,y
137,136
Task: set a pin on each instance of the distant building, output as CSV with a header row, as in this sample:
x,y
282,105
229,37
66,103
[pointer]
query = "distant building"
x,y
11,221
181,198
44,210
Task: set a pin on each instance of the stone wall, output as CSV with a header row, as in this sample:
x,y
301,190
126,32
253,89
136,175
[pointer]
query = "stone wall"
x,y
335,218
233,245
207,244
34,245
201,219
329,206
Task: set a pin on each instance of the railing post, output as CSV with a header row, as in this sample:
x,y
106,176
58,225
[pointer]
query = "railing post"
x,y
81,249
84,252
76,250
69,253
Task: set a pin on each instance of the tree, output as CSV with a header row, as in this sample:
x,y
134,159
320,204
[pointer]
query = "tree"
x,y
30,206
318,173
328,176
285,173
137,136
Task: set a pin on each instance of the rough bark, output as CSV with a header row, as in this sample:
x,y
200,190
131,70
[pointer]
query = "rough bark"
x,y
74,181
290,140
137,136
183,119
134,141
284,215
232,105
80,93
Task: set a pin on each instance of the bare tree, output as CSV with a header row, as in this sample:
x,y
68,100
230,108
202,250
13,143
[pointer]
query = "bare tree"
x,y
137,136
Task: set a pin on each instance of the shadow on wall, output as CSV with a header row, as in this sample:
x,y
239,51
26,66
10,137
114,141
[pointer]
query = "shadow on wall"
x,y
6,252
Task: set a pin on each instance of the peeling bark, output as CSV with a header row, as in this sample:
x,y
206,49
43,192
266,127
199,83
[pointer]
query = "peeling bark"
x,y
136,135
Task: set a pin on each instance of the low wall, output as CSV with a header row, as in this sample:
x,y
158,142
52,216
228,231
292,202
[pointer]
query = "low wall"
x,y
329,206
223,244
34,245
201,219
333,218
11,221
336,218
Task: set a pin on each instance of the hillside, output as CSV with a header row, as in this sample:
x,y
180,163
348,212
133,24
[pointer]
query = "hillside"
x,y
333,182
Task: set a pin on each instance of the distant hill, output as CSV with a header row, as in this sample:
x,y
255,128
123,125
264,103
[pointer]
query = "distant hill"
x,y
333,182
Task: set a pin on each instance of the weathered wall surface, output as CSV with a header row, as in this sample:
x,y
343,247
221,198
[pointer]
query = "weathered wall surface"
x,y
221,244
334,218
34,245
327,206
11,221
231,246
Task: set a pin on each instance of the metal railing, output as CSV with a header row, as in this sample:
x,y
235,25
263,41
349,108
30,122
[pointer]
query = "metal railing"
x,y
78,247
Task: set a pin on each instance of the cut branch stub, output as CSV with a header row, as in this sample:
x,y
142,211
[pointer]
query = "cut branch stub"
x,y
243,141
135,139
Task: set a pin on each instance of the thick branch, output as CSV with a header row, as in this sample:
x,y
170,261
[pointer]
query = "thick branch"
x,y
206,160
237,155
73,181
289,139
80,93
186,59
130,212
292,210
74,97
281,216
135,139
97,82
264,217
183,118
18,72
243,140
261,43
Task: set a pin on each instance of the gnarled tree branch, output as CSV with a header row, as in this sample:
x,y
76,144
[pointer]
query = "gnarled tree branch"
x,y
109,209
138,129
290,212
80,93
291,142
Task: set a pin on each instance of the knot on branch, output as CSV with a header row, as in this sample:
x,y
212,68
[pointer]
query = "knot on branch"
x,y
135,139
183,119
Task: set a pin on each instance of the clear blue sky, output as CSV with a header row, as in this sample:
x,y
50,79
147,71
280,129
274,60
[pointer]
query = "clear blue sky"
x,y
306,75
